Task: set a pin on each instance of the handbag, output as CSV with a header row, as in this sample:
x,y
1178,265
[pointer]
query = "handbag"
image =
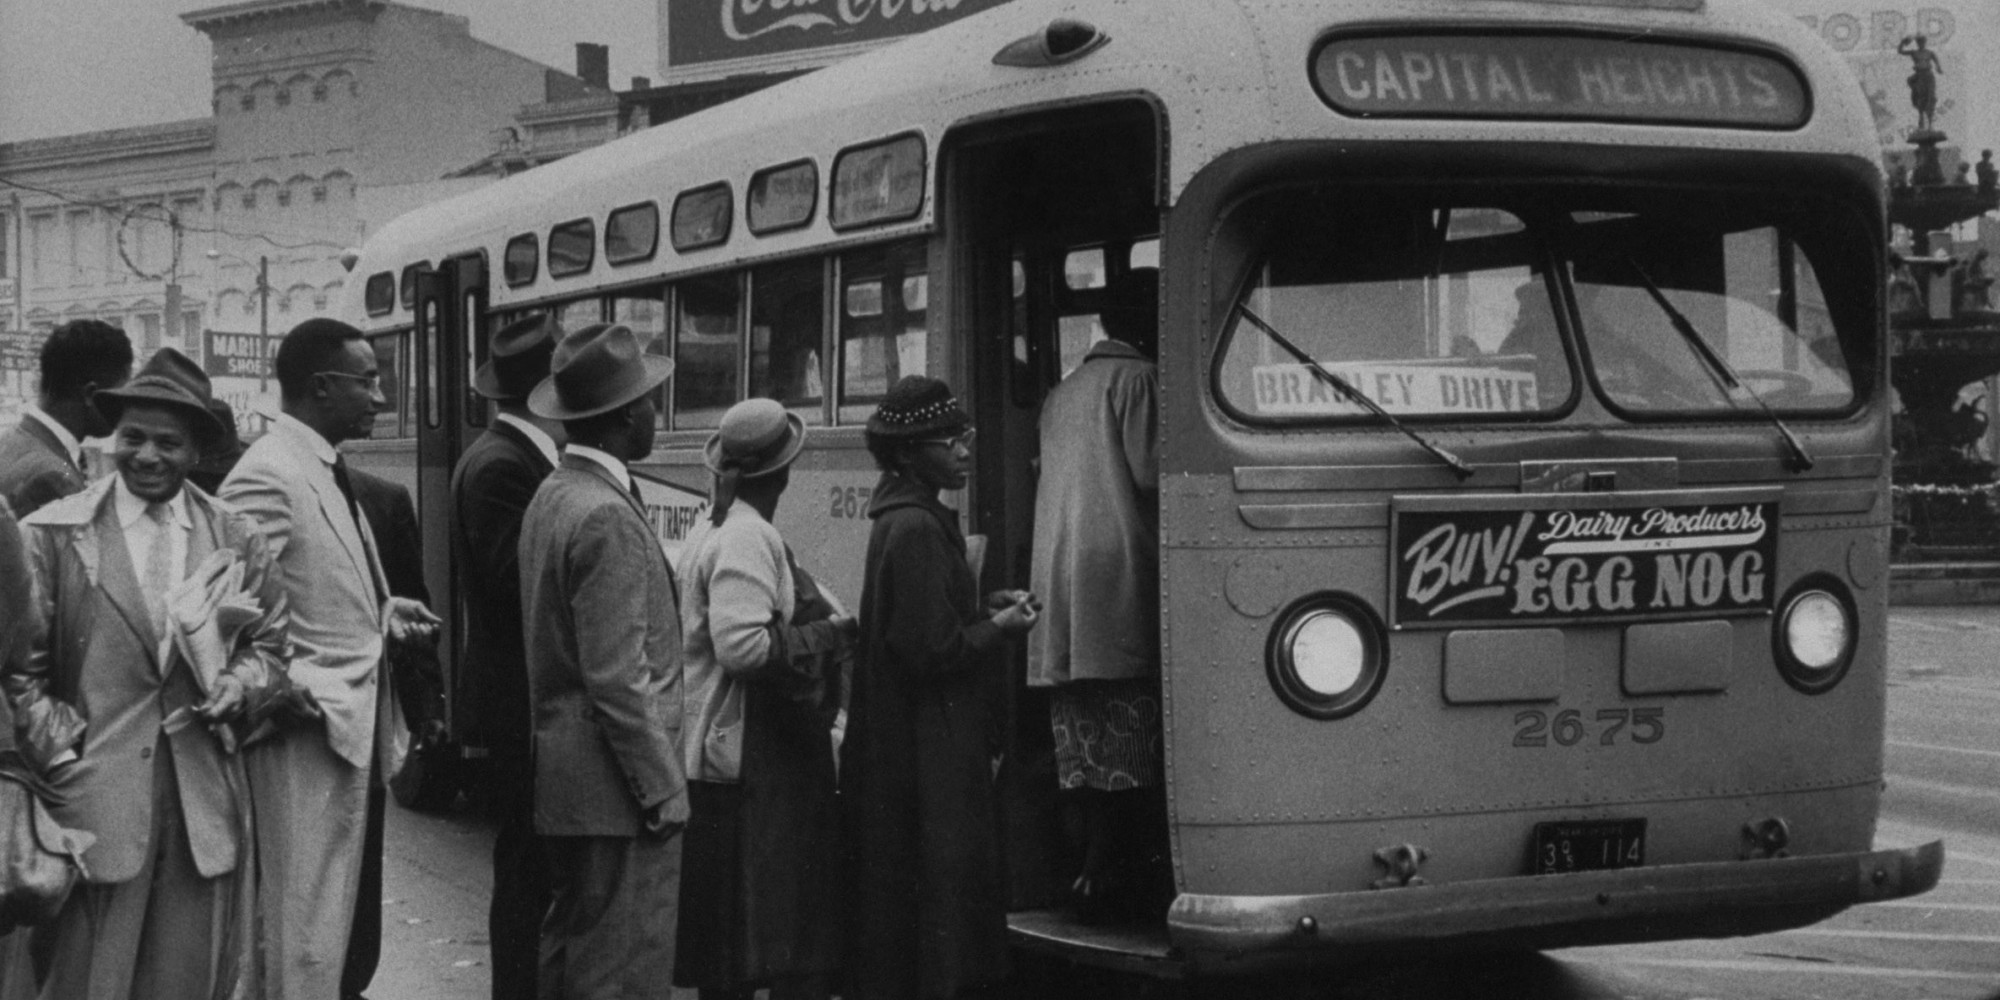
x,y
40,859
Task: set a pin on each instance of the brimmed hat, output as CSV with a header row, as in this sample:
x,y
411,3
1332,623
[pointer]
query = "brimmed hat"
x,y
519,360
169,379
596,370
221,455
757,437
917,406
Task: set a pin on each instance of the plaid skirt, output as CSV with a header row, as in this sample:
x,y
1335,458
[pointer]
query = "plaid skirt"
x,y
1108,734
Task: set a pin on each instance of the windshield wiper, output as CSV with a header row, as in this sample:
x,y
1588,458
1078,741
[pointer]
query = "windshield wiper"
x,y
1718,369
1458,465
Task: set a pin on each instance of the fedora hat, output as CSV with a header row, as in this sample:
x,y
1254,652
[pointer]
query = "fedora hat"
x,y
519,359
172,380
596,370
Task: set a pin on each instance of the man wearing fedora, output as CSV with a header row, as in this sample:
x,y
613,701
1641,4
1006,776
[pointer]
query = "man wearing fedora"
x,y
41,458
604,680
125,726
490,490
318,783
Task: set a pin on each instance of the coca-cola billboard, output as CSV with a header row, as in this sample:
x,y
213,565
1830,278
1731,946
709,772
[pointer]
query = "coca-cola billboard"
x,y
705,32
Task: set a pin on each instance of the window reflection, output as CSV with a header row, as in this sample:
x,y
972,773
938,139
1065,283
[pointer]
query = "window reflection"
x,y
787,308
708,338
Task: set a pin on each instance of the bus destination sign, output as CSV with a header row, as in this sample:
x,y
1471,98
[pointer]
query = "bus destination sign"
x,y
1558,78
1531,560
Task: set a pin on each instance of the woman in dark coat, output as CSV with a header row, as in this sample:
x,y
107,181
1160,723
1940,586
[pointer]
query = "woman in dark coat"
x,y
917,767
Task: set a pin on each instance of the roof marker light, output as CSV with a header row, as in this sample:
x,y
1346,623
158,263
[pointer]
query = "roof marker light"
x,y
1064,40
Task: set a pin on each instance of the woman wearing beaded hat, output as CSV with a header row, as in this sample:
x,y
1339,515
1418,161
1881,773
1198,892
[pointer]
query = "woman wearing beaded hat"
x,y
917,766
760,647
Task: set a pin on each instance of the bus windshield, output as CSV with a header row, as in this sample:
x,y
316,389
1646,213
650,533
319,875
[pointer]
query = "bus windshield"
x,y
1505,307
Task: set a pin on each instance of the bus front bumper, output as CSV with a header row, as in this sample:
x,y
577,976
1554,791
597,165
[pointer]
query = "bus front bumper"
x,y
1220,934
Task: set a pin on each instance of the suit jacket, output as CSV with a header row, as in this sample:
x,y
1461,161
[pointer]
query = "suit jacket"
x,y
392,516
95,673
490,490
34,469
336,584
604,669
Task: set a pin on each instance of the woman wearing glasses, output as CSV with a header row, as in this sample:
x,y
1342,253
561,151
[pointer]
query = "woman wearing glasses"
x,y
919,760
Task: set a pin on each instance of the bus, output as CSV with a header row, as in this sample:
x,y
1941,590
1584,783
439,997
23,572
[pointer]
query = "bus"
x,y
1523,427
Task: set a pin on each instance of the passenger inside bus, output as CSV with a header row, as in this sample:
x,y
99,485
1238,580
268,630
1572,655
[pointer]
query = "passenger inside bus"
x,y
1095,562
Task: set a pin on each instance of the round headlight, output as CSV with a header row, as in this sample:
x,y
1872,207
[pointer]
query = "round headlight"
x,y
1816,635
1326,656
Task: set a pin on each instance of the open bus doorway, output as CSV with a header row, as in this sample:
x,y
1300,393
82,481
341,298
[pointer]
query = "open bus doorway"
x,y
1045,214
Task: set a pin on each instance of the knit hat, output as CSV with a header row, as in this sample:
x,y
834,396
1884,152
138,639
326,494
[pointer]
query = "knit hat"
x,y
918,406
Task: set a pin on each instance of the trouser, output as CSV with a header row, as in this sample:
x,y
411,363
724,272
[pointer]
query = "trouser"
x,y
312,832
364,937
157,935
520,879
610,929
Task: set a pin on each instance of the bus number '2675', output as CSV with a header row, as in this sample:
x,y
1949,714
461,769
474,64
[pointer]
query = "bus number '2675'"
x,y
1638,725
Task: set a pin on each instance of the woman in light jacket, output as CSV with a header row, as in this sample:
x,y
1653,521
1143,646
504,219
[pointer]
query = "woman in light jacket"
x,y
760,644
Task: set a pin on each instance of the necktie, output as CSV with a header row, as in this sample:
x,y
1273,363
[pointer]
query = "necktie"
x,y
159,570
346,484
635,493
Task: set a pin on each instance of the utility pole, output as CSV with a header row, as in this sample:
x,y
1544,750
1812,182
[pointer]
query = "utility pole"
x,y
264,323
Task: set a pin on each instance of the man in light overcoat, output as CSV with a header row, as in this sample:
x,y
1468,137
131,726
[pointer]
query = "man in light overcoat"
x,y
312,783
125,726
604,674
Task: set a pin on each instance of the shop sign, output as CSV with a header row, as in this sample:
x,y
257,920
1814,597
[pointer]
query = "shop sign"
x,y
21,351
241,355
1573,557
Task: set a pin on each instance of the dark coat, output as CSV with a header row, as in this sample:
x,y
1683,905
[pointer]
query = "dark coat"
x,y
604,658
929,902
393,518
34,469
490,490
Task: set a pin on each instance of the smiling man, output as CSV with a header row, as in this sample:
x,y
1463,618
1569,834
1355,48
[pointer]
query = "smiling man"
x,y
123,725
318,785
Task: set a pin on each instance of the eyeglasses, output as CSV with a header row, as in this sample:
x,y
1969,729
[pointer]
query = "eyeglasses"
x,y
952,442
373,382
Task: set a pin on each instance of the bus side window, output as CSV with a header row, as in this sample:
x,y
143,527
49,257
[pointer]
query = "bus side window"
x,y
395,385
646,313
787,313
884,298
708,343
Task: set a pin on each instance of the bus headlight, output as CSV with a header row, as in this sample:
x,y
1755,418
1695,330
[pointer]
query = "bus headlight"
x,y
1327,656
1815,638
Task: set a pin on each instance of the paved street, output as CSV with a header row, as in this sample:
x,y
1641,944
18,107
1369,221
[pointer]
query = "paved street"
x,y
1943,781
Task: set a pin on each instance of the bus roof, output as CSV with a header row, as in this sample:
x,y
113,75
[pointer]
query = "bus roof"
x,y
1225,74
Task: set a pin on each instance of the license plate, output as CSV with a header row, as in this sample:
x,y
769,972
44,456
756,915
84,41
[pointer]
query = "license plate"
x,y
1588,845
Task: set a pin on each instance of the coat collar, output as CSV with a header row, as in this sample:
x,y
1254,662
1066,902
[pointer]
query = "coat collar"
x,y
598,471
532,439
1113,348
91,520
55,436
894,491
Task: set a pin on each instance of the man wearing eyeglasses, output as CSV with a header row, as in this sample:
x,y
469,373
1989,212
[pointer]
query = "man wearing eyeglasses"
x,y
317,786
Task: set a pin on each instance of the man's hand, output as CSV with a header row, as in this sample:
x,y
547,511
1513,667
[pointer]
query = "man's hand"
x,y
225,702
657,824
410,622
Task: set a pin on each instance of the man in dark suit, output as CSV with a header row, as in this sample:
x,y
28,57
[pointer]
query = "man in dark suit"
x,y
41,458
390,514
490,491
604,680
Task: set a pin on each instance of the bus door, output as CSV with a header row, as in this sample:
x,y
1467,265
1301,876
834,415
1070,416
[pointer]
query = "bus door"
x,y
449,342
1042,210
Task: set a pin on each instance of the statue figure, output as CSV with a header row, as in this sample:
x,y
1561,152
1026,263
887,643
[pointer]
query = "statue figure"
x,y
1924,71
1964,177
1989,175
